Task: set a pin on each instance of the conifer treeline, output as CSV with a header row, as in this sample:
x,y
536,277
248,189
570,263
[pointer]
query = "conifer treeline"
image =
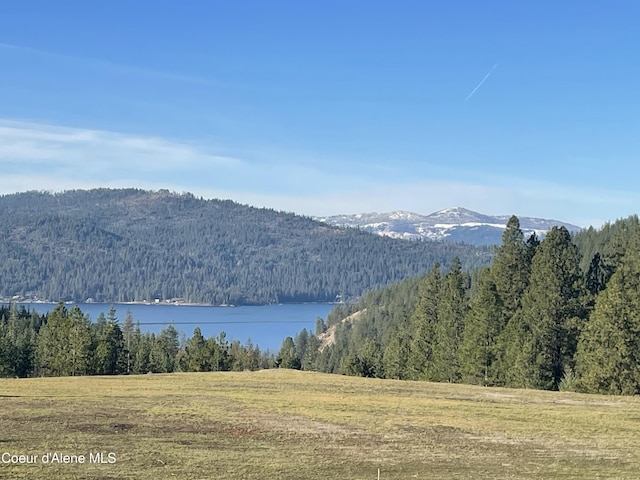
x,y
66,343
534,319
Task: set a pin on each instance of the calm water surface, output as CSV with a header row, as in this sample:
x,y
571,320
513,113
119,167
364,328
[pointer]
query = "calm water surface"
x,y
265,325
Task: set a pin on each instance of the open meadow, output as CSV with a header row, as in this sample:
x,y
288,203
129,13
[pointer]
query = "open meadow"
x,y
286,424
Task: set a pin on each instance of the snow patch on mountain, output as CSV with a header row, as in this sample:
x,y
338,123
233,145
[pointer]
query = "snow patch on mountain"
x,y
454,224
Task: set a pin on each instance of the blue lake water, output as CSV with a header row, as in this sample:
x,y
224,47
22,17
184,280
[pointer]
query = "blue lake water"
x,y
265,325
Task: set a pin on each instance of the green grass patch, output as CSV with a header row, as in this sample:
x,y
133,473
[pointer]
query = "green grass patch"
x,y
300,425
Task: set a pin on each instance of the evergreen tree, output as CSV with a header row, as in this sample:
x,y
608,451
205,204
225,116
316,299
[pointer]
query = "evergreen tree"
x,y
552,313
267,360
301,341
622,236
510,274
423,323
321,326
220,351
131,340
79,342
252,356
237,356
48,348
598,275
511,267
531,245
310,358
159,361
8,352
18,341
287,356
198,354
98,346
143,351
452,309
169,345
396,356
483,325
512,366
181,362
366,361
109,351
54,351
608,357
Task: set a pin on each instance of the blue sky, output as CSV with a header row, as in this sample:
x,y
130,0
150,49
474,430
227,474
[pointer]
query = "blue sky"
x,y
320,108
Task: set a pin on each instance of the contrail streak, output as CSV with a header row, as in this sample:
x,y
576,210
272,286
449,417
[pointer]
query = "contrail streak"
x,y
481,82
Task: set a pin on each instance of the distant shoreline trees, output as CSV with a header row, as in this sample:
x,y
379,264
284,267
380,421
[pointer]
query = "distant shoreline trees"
x,y
66,343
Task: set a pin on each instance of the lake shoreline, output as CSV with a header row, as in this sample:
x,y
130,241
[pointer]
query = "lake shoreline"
x,y
265,325
161,304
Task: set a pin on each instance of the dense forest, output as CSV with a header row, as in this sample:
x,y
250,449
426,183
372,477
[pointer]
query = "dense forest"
x,y
562,314
558,314
66,343
133,245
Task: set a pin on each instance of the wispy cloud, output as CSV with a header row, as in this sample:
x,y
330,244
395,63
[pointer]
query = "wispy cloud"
x,y
428,196
99,154
34,156
49,157
106,65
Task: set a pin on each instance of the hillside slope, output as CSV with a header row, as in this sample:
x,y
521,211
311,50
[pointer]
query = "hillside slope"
x,y
134,245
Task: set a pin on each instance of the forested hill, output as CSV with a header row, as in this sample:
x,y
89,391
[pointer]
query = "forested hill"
x,y
563,313
134,245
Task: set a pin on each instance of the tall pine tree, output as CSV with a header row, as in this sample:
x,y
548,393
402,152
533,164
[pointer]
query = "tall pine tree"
x,y
483,325
552,313
79,341
423,323
452,308
511,267
608,357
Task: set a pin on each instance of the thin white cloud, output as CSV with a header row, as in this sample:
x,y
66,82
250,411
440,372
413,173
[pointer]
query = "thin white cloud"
x,y
83,150
45,157
111,66
430,196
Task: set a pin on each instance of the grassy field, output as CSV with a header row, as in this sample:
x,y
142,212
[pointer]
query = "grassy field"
x,y
284,424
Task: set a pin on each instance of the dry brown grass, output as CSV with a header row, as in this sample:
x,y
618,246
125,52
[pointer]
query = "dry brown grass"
x,y
300,425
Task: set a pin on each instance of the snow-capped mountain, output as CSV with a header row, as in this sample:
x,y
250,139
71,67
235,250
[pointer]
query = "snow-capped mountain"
x,y
452,224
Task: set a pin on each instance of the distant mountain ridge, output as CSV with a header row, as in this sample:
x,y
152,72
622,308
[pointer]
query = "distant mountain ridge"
x,y
455,224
